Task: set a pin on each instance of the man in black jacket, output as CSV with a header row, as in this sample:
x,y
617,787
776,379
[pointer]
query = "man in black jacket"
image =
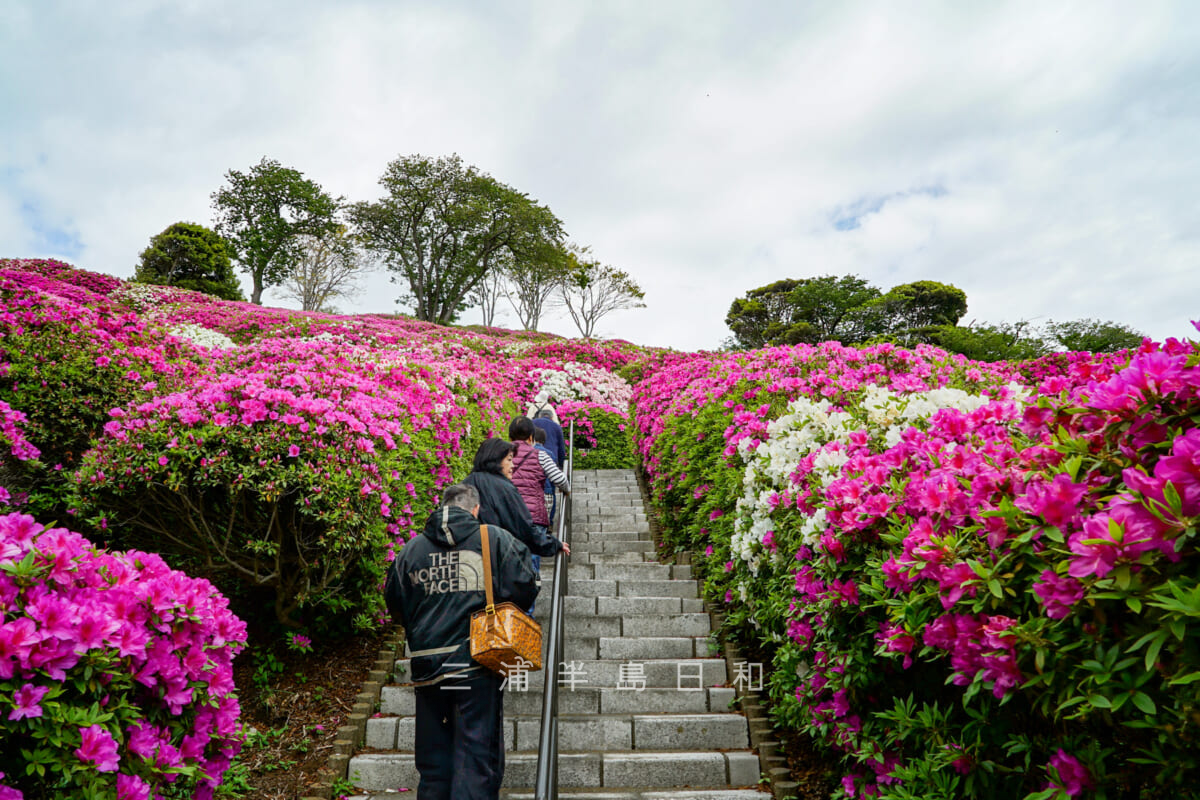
x,y
436,585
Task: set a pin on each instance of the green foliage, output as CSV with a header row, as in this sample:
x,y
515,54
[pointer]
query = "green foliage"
x,y
442,226
601,436
844,309
263,213
1002,342
65,375
191,257
921,304
1116,683
1092,335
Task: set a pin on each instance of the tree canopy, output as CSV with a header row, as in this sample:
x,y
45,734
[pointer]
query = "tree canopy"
x,y
846,309
443,225
264,212
1092,335
190,256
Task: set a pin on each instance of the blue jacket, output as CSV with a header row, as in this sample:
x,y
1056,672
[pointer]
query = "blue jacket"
x,y
555,441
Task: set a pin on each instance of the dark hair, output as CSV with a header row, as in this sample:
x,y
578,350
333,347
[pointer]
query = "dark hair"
x,y
490,455
539,435
460,495
520,429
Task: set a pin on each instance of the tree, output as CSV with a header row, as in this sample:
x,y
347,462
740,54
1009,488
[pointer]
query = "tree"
x,y
764,317
907,310
328,270
534,282
591,290
1006,341
264,212
808,310
192,257
488,291
443,226
1092,335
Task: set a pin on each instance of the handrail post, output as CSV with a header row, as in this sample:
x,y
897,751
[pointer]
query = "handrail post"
x,y
546,782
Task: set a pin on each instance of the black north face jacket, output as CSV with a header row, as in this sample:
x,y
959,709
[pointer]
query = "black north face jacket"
x,y
436,583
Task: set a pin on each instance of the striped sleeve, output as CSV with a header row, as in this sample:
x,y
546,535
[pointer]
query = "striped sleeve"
x,y
553,473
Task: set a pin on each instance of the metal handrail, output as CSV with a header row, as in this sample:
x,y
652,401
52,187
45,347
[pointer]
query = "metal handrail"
x,y
546,785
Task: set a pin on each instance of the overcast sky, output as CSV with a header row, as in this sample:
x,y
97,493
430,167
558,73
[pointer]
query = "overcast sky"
x,y
1043,157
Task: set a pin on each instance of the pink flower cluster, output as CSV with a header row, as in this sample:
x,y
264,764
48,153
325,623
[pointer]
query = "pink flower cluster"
x,y
164,640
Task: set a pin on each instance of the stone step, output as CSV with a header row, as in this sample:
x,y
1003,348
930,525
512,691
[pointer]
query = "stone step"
x,y
671,673
620,648
668,588
618,571
600,793
611,732
649,794
400,701
615,525
578,605
376,771
620,557
584,537
584,545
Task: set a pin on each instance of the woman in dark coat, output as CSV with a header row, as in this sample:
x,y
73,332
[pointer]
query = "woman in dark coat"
x,y
499,501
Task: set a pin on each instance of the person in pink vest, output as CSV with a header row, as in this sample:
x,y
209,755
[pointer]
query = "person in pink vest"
x,y
531,469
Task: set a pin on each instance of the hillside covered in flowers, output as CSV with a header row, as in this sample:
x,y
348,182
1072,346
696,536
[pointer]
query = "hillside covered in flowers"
x,y
965,579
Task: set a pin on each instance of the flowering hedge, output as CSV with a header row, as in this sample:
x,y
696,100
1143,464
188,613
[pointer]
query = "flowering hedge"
x,y
63,365
293,466
116,672
883,523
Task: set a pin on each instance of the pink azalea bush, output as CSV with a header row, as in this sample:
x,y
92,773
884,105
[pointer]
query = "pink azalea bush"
x,y
296,463
116,672
67,355
882,523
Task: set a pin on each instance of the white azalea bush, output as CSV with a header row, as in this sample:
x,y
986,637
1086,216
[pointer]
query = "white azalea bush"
x,y
583,382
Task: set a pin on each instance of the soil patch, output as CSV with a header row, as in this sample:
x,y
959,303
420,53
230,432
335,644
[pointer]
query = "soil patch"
x,y
292,706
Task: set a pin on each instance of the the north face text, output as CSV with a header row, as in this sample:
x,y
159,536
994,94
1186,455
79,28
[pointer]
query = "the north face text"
x,y
455,571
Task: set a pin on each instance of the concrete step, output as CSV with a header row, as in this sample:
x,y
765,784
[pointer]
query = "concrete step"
x,y
667,588
401,701
577,605
618,571
666,673
376,771
590,537
600,793
611,732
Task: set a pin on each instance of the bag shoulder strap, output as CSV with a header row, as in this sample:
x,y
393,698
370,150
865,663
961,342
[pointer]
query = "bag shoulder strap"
x,y
487,570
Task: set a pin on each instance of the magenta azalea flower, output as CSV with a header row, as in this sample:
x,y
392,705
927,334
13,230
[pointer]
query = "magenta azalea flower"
x,y
26,700
98,748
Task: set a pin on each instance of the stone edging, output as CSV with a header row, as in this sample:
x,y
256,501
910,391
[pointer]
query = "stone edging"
x,y
351,735
762,733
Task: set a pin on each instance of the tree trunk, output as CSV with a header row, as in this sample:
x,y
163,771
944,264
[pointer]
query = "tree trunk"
x,y
256,295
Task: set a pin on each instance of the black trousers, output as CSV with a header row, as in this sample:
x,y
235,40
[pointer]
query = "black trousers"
x,y
460,738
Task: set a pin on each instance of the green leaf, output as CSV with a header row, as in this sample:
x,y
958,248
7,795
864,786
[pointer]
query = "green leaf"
x,y
1171,495
1143,702
1191,677
1160,639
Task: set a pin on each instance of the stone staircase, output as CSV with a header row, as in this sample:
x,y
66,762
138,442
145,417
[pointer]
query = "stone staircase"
x,y
644,703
